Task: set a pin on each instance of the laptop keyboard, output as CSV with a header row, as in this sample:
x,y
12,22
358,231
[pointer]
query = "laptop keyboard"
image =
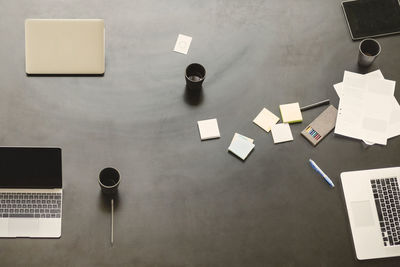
x,y
386,194
30,205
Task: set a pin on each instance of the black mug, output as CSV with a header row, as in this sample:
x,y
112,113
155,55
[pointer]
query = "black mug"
x,y
195,75
109,179
369,50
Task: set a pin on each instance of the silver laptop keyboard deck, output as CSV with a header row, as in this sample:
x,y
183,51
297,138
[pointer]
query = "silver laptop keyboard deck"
x,y
386,194
30,205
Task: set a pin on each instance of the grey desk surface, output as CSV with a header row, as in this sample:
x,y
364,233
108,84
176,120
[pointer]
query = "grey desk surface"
x,y
183,202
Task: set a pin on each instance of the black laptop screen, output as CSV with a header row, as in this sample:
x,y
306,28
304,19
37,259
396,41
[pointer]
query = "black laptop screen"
x,y
30,167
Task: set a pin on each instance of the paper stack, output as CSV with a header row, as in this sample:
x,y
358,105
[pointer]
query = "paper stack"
x,y
367,109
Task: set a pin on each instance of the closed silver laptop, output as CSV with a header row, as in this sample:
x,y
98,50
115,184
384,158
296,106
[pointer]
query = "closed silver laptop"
x,y
30,192
64,46
373,205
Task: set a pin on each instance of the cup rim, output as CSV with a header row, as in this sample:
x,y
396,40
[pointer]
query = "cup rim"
x,y
198,64
370,39
109,186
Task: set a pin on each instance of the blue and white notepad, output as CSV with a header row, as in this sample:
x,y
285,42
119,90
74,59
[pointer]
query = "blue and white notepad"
x,y
241,146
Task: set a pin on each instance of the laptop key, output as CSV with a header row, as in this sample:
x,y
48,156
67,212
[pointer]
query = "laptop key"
x,y
21,215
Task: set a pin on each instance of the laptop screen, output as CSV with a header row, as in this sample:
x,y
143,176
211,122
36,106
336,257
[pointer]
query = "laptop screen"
x,y
30,167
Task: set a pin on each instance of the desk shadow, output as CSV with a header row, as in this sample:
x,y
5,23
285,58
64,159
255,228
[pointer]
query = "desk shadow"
x,y
65,75
364,70
104,203
193,97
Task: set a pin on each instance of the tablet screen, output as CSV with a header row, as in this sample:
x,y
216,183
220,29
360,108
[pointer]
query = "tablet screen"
x,y
369,18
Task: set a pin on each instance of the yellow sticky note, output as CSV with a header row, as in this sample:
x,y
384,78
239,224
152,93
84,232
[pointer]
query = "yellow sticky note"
x,y
291,113
265,119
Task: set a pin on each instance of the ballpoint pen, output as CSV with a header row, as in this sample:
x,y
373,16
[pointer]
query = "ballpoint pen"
x,y
317,169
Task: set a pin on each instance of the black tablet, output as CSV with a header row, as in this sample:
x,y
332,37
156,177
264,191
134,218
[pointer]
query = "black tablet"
x,y
371,18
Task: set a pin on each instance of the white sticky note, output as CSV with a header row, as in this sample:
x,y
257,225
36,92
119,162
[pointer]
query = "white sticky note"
x,y
208,129
241,147
265,119
281,133
243,137
291,113
182,44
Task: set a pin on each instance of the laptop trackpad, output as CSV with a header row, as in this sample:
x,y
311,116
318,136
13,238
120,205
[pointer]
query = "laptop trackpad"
x,y
23,227
362,213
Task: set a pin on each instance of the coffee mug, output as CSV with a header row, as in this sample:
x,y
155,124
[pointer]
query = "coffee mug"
x,y
109,180
369,49
194,75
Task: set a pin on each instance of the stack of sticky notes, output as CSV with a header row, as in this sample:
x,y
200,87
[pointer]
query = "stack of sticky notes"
x,y
291,113
241,146
281,133
208,129
265,119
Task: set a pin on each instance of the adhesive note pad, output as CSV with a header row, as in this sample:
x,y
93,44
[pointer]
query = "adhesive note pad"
x,y
265,119
208,129
243,137
182,44
281,133
291,113
241,146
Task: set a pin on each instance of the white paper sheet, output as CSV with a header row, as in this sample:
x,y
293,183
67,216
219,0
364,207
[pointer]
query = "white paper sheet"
x,y
365,107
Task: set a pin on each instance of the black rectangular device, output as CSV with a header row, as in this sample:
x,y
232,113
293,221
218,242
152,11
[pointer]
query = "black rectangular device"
x,y
30,167
372,18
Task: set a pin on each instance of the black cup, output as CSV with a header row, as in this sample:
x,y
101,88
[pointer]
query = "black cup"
x,y
369,49
109,181
195,75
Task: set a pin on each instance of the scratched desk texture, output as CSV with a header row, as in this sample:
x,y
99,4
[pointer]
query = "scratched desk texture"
x,y
183,202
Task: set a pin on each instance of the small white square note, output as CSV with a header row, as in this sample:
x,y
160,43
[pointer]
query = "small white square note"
x,y
241,146
281,133
182,44
265,119
208,129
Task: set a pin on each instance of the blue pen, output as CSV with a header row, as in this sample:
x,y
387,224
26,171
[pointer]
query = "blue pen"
x,y
317,169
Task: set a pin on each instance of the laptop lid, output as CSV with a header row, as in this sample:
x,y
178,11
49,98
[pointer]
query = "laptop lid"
x,y
30,167
64,46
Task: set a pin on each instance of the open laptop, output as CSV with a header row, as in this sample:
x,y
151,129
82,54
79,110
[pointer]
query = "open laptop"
x,y
64,46
372,199
30,192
